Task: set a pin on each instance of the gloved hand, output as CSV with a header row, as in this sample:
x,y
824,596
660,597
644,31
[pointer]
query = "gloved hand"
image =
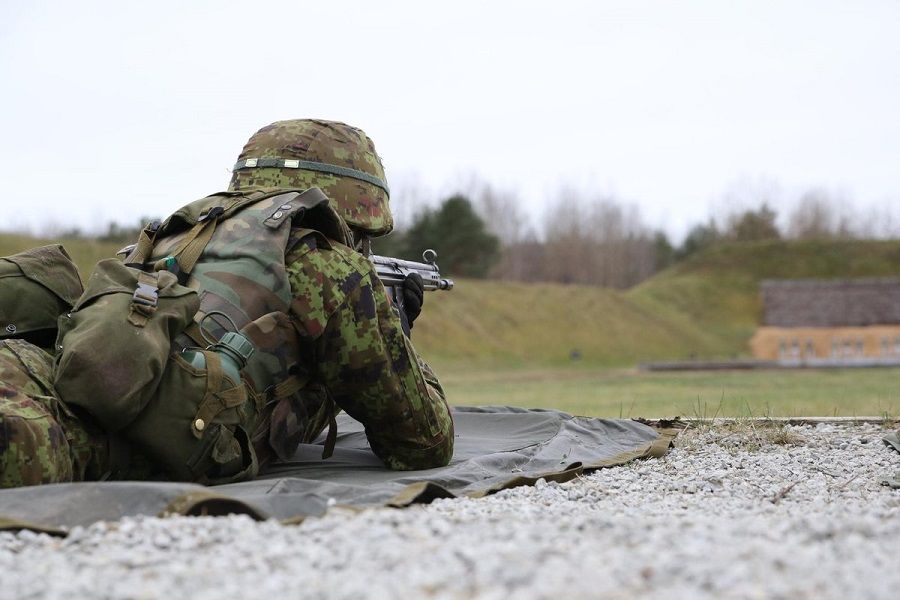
x,y
413,297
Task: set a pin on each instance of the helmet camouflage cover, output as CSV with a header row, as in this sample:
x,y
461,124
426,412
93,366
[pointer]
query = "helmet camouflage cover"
x,y
333,156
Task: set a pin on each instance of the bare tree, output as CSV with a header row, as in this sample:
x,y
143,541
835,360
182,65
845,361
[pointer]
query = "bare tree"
x,y
500,208
819,215
599,242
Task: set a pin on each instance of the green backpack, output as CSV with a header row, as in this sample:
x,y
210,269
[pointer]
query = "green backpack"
x,y
36,286
149,347
115,362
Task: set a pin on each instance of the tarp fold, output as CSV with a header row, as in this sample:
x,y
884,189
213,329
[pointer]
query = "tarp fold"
x,y
496,448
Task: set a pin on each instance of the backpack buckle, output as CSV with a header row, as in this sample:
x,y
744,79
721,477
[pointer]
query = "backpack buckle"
x,y
146,296
214,213
144,300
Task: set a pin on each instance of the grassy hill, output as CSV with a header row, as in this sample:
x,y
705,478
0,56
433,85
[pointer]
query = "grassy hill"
x,y
707,306
718,290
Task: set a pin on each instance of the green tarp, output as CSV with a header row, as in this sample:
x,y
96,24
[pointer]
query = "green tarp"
x,y
496,448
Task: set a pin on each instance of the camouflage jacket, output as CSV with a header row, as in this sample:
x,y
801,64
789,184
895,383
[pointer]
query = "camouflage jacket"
x,y
358,359
343,347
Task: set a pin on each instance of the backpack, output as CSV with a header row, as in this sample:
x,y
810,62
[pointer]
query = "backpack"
x,y
36,286
214,267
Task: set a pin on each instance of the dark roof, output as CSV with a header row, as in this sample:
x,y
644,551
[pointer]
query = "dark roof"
x,y
831,303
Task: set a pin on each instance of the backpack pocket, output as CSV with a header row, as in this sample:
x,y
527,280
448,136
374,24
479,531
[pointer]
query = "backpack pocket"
x,y
196,426
116,361
113,347
36,286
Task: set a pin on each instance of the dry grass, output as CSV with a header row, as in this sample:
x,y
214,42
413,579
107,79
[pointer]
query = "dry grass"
x,y
749,435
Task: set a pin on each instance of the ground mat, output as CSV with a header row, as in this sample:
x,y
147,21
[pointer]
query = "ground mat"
x,y
495,448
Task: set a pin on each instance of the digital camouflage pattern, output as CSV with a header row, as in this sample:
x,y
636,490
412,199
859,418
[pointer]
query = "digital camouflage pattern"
x,y
36,286
326,335
361,204
41,440
354,350
241,273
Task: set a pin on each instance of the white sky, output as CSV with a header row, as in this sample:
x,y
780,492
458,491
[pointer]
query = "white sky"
x,y
114,110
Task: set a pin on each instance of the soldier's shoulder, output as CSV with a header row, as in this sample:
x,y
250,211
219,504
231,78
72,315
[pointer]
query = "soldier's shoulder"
x,y
323,274
313,247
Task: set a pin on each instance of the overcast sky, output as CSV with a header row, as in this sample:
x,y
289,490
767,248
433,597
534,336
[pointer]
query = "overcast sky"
x,y
114,110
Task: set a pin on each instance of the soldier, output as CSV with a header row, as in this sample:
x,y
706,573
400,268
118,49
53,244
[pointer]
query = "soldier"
x,y
326,336
352,340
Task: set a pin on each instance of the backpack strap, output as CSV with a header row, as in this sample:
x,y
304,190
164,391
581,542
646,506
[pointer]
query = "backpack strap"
x,y
193,245
216,399
331,436
140,252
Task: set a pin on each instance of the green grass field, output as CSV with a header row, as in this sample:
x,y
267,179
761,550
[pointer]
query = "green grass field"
x,y
633,393
497,342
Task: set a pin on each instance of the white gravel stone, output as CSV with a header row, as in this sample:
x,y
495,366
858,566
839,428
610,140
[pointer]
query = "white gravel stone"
x,y
738,512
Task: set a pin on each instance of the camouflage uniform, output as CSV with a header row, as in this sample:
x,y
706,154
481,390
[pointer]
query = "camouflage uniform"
x,y
352,346
344,348
41,440
357,356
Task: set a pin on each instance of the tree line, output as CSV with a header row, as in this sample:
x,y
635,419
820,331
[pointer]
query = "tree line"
x,y
483,233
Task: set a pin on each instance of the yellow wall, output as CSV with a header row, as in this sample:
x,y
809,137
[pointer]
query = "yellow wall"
x,y
772,343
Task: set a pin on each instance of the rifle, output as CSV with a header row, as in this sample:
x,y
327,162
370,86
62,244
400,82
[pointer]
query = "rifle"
x,y
392,271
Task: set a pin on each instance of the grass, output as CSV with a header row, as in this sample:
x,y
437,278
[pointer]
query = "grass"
x,y
706,306
632,393
718,290
510,343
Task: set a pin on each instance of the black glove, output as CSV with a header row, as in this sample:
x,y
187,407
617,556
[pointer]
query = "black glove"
x,y
413,296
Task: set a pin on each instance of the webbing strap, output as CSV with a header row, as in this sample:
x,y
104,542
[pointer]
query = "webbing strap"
x,y
331,436
288,387
188,253
144,299
193,332
294,384
144,247
308,165
215,400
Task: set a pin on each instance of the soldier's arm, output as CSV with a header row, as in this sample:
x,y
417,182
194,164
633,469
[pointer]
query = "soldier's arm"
x,y
361,356
372,371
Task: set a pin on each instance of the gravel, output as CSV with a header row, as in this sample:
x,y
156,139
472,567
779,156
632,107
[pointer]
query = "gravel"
x,y
739,511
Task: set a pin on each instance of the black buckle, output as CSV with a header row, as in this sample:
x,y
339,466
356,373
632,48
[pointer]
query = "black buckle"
x,y
214,213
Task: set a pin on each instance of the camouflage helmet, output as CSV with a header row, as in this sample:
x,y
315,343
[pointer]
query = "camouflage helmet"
x,y
333,156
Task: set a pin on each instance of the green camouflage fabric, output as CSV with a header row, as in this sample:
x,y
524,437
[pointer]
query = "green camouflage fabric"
x,y
356,355
361,204
244,273
241,274
41,440
36,286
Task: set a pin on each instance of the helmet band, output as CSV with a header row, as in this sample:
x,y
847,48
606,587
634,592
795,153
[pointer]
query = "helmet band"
x,y
289,163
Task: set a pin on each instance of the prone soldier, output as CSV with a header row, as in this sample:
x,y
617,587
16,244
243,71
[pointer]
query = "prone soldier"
x,y
271,277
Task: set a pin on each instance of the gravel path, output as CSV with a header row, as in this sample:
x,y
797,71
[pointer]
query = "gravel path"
x,y
734,511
